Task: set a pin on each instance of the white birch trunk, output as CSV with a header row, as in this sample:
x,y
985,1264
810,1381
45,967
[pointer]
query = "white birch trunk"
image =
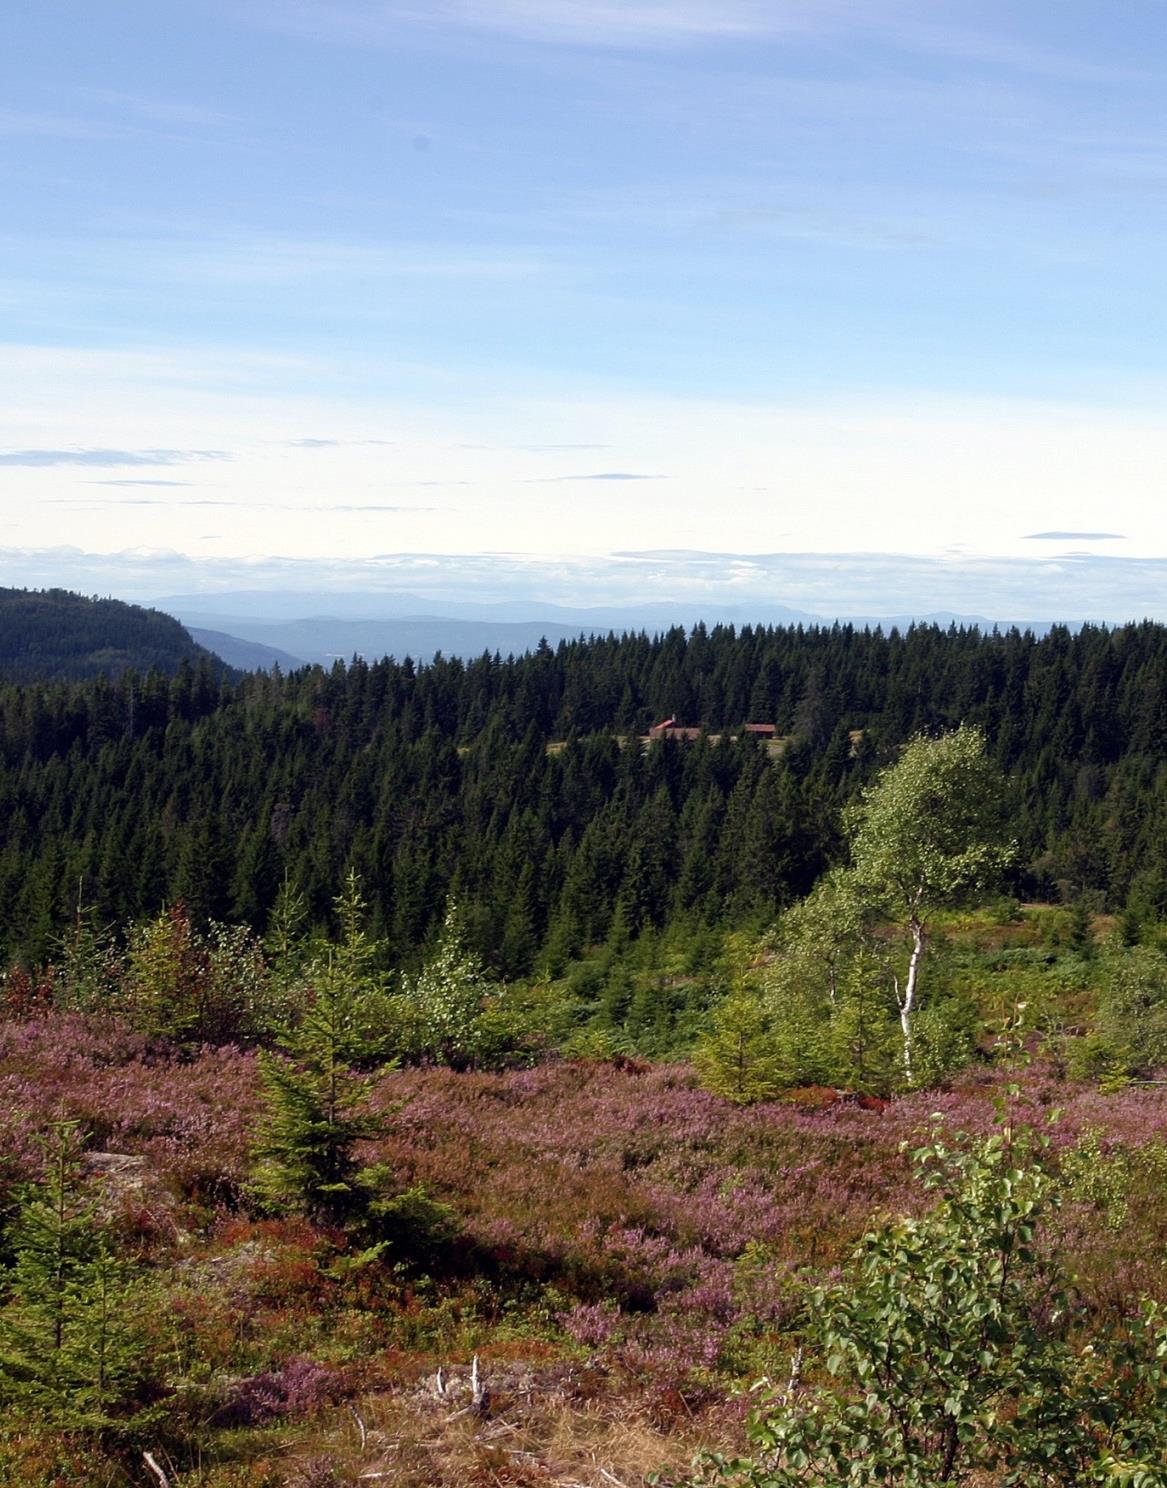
x,y
907,1000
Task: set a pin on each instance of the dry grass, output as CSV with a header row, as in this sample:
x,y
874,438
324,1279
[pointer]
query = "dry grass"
x,y
546,1427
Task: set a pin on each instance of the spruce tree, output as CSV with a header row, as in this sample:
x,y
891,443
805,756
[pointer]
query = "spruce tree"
x,y
87,962
285,941
315,1104
69,1349
739,1058
315,1112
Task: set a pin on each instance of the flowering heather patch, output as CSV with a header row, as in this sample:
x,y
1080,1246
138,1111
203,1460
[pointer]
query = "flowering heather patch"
x,y
190,1117
683,1224
299,1387
70,1041
621,1216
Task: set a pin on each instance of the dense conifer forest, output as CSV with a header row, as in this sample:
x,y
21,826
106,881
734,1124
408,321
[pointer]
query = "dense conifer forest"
x,y
53,635
521,786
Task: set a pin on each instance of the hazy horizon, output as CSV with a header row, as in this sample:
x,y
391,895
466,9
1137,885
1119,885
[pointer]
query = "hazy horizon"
x,y
707,586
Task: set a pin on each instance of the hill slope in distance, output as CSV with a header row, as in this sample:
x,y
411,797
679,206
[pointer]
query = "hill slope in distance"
x,y
52,635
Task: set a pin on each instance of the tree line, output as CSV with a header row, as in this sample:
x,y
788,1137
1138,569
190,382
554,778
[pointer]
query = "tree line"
x,y
521,787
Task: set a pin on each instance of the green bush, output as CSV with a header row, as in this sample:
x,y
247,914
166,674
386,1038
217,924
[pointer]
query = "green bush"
x,y
950,1356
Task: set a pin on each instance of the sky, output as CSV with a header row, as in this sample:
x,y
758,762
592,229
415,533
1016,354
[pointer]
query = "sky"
x,y
847,306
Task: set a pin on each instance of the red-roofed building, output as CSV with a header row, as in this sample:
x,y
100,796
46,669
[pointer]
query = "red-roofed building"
x,y
668,728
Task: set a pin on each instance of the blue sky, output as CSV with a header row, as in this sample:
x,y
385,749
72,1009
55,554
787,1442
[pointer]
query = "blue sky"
x,y
316,281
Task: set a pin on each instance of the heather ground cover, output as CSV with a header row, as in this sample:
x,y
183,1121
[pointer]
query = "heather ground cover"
x,y
620,1247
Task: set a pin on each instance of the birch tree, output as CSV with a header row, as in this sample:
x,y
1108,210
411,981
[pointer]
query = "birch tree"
x,y
928,830
448,994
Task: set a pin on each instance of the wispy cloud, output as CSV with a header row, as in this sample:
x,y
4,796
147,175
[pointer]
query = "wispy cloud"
x,y
268,260
160,111
176,502
904,25
835,229
136,501
633,23
128,482
185,263
600,475
1075,537
39,458
938,38
105,503
337,443
51,126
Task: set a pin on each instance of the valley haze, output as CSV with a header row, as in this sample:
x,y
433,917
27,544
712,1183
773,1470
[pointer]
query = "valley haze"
x,y
257,629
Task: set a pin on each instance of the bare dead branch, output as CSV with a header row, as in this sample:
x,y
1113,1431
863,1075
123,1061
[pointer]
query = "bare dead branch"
x,y
152,1463
479,1395
360,1427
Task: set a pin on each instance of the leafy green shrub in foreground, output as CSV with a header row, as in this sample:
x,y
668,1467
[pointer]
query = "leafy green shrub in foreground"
x,y
952,1359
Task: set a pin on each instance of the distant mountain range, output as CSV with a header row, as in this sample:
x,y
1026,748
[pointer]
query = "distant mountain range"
x,y
53,635
293,604
258,628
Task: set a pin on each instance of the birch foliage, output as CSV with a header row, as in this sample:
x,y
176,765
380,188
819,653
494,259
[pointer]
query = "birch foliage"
x,y
929,830
930,827
951,1356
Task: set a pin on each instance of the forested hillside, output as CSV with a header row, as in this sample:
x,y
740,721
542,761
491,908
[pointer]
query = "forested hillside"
x,y
521,786
428,1076
51,634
